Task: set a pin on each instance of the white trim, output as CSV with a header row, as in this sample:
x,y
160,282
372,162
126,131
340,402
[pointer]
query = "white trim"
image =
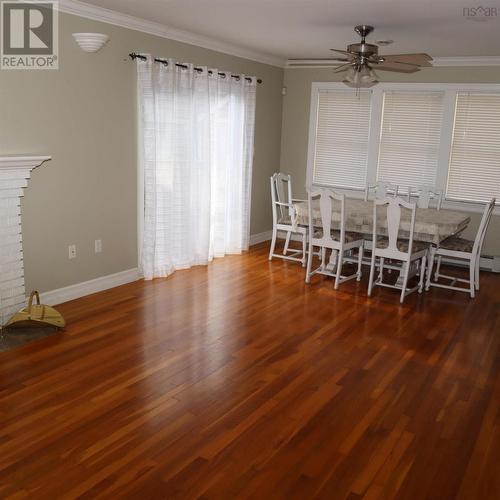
x,y
260,237
88,287
109,16
437,61
449,89
376,114
313,125
462,87
467,61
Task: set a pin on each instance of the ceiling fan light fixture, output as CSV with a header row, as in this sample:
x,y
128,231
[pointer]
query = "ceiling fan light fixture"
x,y
366,74
360,85
361,76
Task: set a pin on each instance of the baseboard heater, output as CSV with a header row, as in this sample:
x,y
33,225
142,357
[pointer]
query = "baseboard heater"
x,y
487,263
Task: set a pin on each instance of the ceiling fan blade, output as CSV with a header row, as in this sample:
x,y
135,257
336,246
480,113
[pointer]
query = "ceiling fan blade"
x,y
416,59
397,67
318,62
342,52
343,67
373,60
332,59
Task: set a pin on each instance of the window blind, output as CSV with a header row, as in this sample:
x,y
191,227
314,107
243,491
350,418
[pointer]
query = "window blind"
x,y
342,131
410,137
474,170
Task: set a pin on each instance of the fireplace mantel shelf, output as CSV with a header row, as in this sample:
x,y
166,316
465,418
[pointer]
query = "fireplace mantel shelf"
x,y
15,162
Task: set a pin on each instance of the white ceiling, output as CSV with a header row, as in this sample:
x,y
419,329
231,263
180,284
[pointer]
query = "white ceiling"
x,y
308,28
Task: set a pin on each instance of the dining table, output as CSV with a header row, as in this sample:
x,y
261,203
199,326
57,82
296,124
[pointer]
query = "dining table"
x,y
431,225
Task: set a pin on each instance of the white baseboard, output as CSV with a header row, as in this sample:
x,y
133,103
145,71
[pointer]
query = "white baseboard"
x,y
260,237
88,287
78,290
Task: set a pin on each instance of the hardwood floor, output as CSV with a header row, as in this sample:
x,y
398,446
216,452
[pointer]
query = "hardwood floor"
x,y
237,380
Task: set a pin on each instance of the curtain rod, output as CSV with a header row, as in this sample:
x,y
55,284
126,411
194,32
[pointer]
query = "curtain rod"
x,y
134,56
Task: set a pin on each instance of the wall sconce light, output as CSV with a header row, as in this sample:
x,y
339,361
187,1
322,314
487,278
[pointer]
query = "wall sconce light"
x,y
90,42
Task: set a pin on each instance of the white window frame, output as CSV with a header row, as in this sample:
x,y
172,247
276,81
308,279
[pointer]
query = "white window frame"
x,y
377,94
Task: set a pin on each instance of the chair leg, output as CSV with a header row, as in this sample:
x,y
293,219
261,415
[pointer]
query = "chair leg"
x,y
381,270
323,257
405,282
422,274
304,249
360,262
273,244
309,262
287,242
340,258
477,271
472,278
372,272
438,267
430,265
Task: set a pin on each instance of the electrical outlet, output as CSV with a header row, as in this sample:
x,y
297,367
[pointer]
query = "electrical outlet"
x,y
98,246
72,252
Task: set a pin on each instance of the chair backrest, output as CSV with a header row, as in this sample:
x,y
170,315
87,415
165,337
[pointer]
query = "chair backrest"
x,y
394,222
424,194
483,227
326,199
281,192
381,189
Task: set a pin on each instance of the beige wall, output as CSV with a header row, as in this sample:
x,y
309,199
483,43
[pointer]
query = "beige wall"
x,y
84,116
295,126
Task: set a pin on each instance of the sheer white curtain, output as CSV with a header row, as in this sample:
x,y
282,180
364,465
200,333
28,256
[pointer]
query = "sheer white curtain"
x,y
196,151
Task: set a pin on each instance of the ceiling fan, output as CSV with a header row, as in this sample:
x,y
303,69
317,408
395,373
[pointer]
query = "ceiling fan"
x,y
360,59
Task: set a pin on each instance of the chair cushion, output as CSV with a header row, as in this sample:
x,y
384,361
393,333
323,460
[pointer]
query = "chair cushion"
x,y
458,244
402,245
349,235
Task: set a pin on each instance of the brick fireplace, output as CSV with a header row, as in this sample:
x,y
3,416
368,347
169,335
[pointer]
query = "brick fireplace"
x,y
15,172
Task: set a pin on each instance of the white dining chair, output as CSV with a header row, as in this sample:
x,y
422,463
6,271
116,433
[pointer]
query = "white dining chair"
x,y
323,237
424,194
406,251
464,250
285,219
381,189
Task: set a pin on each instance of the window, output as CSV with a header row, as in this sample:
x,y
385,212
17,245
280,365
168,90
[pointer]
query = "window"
x,y
410,134
474,170
410,137
341,145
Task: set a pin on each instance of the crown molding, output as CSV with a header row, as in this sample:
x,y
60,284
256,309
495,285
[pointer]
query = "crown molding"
x,y
437,61
101,14
95,13
467,61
